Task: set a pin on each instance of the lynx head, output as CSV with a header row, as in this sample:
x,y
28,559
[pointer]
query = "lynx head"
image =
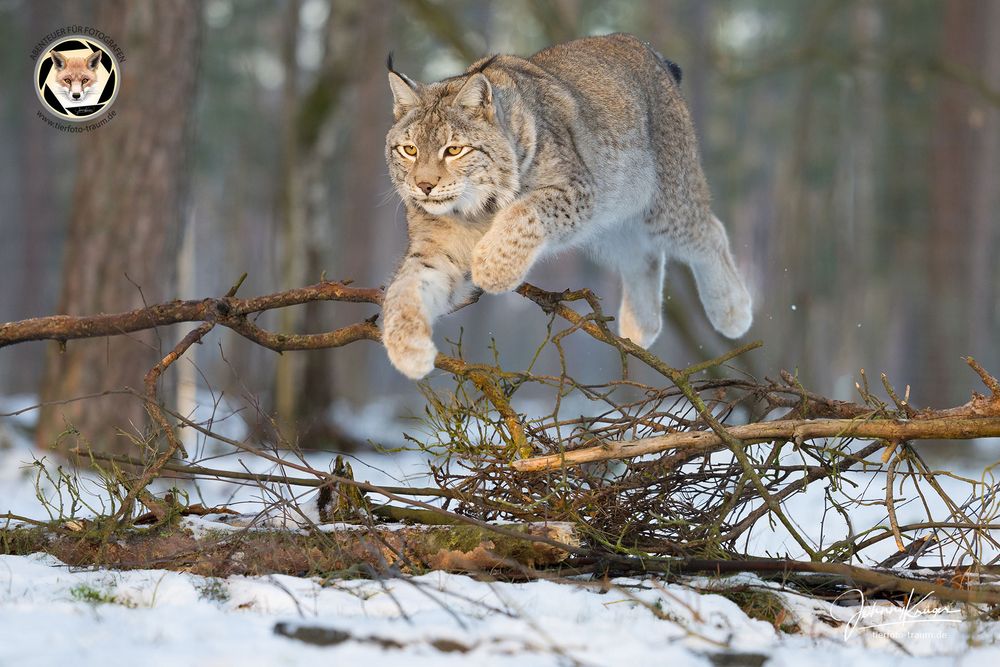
x,y
447,151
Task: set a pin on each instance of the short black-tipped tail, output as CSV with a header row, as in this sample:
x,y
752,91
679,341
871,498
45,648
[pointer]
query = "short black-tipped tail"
x,y
674,69
669,65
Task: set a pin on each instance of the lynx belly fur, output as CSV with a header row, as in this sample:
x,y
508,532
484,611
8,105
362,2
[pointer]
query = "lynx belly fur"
x,y
586,144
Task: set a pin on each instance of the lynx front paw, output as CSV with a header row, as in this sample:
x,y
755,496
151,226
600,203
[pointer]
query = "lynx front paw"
x,y
497,270
409,345
413,358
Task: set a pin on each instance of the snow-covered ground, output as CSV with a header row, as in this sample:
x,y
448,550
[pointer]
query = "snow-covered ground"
x,y
53,614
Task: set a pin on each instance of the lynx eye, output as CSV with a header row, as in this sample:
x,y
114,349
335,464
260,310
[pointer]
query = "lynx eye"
x,y
67,80
84,80
407,150
455,151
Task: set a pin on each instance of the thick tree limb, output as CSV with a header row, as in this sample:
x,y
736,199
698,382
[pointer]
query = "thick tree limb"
x,y
231,312
228,311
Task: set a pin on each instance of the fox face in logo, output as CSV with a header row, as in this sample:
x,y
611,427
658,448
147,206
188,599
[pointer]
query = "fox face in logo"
x,y
75,74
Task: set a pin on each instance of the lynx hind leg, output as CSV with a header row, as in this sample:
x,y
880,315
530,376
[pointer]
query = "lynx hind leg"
x,y
721,288
640,316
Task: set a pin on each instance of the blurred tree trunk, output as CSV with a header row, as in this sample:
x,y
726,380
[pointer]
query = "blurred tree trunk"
x,y
857,244
984,296
126,222
364,176
319,124
34,229
954,152
794,228
291,237
304,386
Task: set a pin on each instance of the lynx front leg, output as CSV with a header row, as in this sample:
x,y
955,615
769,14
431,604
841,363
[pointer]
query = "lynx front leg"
x,y
518,234
506,252
426,286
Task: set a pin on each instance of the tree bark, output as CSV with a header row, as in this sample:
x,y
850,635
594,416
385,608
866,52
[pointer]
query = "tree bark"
x,y
955,148
126,222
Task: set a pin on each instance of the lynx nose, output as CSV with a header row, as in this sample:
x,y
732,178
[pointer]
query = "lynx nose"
x,y
76,96
426,187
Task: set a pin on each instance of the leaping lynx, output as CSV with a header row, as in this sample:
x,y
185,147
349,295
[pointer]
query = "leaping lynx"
x,y
586,144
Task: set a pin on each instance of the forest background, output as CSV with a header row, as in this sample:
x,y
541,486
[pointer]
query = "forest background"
x,y
852,148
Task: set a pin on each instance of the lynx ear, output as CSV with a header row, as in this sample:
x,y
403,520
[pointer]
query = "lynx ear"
x,y
94,60
404,94
477,92
404,90
58,60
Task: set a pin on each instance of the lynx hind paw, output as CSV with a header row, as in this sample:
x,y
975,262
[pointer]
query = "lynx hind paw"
x,y
639,333
733,315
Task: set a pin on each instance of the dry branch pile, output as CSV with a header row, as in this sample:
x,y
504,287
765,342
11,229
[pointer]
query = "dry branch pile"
x,y
653,478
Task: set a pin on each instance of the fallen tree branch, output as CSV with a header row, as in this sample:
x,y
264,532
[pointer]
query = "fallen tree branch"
x,y
362,548
596,327
647,503
980,417
945,428
327,478
849,574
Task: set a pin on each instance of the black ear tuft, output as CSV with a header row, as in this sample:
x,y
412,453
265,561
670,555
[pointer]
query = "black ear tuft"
x,y
486,63
392,70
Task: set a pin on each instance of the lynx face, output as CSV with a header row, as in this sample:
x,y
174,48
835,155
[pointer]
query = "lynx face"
x,y
447,153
